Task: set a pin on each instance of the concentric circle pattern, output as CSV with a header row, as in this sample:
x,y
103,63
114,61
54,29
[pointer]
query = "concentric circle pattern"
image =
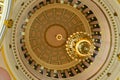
x,y
49,26
55,36
45,29
46,33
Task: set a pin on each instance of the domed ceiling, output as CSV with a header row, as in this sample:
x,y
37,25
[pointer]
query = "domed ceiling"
x,y
64,39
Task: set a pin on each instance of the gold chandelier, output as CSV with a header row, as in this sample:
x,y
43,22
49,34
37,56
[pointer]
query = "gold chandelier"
x,y
80,46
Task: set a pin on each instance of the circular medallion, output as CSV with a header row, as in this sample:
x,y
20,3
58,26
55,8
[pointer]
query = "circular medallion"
x,y
47,31
55,36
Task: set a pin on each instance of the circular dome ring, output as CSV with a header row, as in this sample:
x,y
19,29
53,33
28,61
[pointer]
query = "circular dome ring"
x,y
46,8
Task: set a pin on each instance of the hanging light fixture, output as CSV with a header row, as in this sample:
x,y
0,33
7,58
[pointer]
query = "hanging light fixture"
x,y
80,46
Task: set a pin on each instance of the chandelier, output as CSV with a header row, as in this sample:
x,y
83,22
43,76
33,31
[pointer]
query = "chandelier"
x,y
80,46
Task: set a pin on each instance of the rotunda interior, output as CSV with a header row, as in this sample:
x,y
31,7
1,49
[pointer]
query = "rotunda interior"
x,y
59,39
